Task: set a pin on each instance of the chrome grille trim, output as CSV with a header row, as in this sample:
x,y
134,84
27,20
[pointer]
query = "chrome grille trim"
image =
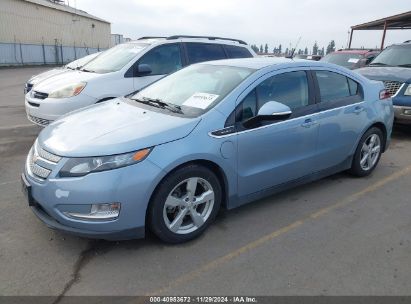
x,y
392,87
47,155
34,168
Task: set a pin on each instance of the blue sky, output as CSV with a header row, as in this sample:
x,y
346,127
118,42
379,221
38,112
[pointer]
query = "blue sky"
x,y
257,22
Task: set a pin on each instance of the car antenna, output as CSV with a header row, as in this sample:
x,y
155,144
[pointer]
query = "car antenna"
x,y
291,56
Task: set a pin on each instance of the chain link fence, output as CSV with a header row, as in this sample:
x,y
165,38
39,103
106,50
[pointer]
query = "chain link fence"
x,y
19,54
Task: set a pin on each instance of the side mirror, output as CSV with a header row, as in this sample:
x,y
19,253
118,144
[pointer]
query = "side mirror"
x,y
143,70
274,110
270,111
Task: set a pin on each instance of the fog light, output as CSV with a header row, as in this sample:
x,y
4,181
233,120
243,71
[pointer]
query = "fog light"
x,y
98,212
407,112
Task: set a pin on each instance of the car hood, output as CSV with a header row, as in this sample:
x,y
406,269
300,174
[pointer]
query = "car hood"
x,y
54,82
40,77
386,73
113,127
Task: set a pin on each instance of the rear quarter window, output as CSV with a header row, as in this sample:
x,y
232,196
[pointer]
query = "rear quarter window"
x,y
237,52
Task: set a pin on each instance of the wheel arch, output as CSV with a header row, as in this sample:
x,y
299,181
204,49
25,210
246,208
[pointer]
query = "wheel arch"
x,y
383,129
214,167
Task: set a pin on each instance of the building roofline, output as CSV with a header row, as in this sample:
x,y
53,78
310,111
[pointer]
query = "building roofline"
x,y
66,8
399,21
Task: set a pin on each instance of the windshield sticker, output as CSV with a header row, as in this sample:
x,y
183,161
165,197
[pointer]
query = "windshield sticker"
x,y
200,100
353,60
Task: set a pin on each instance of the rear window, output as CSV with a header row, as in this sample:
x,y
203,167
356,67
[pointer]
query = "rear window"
x,y
199,52
347,60
237,52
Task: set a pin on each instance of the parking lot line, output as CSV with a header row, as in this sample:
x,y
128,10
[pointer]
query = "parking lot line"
x,y
268,237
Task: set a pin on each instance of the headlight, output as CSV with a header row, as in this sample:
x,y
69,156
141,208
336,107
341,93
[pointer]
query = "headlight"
x,y
84,165
68,90
408,90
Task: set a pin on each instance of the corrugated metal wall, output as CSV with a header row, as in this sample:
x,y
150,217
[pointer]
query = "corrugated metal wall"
x,y
35,34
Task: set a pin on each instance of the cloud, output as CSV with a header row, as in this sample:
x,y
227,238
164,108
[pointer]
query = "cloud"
x,y
259,21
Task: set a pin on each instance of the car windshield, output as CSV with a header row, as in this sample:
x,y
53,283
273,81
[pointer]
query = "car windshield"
x,y
115,58
80,62
196,88
347,60
394,56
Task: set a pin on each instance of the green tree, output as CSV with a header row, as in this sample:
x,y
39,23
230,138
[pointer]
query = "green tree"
x,y
306,51
261,48
287,52
255,48
331,47
315,48
266,48
280,49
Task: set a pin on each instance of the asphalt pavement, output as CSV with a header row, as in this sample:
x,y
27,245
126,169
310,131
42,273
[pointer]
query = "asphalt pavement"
x,y
337,236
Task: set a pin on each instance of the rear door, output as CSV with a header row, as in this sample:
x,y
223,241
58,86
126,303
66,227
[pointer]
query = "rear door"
x,y
342,117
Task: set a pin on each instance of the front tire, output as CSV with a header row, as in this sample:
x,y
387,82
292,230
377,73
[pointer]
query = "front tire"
x,y
368,153
184,204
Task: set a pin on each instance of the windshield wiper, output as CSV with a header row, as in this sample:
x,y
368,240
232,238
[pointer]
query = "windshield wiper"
x,y
85,70
377,63
407,65
160,104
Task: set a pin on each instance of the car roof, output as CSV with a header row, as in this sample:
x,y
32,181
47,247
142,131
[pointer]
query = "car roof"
x,y
258,63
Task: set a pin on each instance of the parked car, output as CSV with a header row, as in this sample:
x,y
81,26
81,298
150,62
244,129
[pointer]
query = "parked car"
x,y
222,133
351,58
393,67
124,69
74,65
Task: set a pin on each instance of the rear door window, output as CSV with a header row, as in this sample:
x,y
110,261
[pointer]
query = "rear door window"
x,y
237,51
335,87
199,52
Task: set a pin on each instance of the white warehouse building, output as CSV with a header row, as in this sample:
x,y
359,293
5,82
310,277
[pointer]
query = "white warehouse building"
x,y
43,32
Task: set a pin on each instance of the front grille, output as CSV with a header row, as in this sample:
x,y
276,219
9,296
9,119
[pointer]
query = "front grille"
x,y
39,121
40,95
34,167
36,170
392,86
47,155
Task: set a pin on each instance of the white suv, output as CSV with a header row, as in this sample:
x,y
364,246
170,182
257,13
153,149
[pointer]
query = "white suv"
x,y
124,69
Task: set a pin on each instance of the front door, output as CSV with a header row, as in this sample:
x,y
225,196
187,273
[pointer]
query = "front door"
x,y
277,152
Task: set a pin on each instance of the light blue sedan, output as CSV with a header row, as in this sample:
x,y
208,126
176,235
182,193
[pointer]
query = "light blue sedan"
x,y
214,134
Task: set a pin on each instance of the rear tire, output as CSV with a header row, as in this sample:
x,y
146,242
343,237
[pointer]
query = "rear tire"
x,y
368,153
184,204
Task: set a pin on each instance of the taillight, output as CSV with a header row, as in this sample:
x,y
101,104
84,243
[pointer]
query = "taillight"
x,y
384,94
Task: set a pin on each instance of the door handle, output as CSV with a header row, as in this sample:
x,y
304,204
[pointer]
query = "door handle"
x,y
358,110
308,123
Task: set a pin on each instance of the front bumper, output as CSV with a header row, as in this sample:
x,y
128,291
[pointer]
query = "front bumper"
x,y
402,114
44,111
131,186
